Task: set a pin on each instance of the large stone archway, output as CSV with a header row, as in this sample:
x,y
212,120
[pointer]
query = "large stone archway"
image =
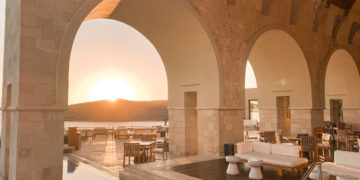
x,y
343,83
281,70
36,79
187,53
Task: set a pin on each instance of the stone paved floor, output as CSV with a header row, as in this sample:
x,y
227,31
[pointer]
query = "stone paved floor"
x,y
104,153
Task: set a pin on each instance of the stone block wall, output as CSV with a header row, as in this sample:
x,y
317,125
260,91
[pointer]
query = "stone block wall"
x,y
268,119
352,116
300,121
208,132
177,132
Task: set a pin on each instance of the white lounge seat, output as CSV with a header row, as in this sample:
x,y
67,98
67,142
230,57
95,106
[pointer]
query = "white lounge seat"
x,y
345,164
281,156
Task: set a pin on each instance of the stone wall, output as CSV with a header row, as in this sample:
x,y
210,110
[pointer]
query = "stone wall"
x,y
35,32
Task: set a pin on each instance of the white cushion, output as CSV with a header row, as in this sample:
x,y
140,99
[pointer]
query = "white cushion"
x,y
244,147
262,147
286,161
340,170
284,150
346,158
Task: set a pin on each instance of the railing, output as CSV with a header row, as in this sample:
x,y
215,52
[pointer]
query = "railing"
x,y
310,169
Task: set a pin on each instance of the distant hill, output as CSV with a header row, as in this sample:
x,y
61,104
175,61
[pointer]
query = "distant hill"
x,y
118,111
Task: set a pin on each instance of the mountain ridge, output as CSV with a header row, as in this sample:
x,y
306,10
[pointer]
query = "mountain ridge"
x,y
119,110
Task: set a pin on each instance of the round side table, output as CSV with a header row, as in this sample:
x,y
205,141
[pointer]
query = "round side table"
x,y
233,167
255,171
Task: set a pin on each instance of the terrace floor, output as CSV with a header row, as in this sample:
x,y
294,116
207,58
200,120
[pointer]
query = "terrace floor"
x,y
104,154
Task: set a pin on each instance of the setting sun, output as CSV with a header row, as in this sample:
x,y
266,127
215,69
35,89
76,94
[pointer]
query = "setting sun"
x,y
111,89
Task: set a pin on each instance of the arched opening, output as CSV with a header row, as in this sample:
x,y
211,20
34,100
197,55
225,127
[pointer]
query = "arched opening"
x,y
188,56
111,60
342,87
283,83
117,81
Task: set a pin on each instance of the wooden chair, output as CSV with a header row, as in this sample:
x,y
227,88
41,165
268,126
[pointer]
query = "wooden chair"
x,y
358,140
278,136
269,136
350,140
148,137
307,144
162,150
99,131
318,134
121,134
248,137
341,125
139,131
324,145
132,150
340,138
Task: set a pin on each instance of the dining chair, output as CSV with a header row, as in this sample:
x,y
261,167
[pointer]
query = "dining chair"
x,y
307,144
358,140
163,150
250,136
99,131
269,136
121,133
340,138
318,134
324,145
351,138
132,150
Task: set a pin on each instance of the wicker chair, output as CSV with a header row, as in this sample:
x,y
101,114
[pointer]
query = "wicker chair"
x,y
269,136
132,150
324,146
307,144
162,150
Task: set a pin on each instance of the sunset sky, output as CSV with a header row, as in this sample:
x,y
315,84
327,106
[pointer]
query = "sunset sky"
x,y
112,60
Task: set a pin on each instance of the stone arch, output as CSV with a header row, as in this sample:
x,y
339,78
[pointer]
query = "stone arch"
x,y
281,69
342,82
186,48
203,48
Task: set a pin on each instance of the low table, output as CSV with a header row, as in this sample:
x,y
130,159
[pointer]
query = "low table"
x,y
255,171
233,168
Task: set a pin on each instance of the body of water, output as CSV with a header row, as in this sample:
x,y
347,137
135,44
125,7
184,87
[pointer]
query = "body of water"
x,y
82,124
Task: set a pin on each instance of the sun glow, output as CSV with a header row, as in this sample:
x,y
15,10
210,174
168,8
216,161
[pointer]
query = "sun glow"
x,y
111,89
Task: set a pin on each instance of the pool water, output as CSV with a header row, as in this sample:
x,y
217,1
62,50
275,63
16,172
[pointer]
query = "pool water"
x,y
80,171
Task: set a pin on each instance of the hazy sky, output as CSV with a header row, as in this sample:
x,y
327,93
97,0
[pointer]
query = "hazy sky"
x,y
112,60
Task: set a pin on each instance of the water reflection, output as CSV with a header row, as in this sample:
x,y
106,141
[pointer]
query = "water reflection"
x,y
80,171
71,167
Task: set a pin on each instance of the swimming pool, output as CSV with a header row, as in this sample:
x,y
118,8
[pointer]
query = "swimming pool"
x,y
81,171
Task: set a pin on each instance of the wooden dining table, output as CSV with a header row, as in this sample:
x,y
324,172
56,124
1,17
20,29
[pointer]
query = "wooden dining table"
x,y
145,146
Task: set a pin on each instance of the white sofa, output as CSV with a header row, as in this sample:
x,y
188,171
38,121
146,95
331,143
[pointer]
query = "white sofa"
x,y
280,156
345,164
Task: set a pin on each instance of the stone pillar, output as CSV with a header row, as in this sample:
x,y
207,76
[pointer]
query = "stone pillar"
x,y
230,126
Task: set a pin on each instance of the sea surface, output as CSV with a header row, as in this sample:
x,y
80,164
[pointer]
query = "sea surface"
x,y
82,124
